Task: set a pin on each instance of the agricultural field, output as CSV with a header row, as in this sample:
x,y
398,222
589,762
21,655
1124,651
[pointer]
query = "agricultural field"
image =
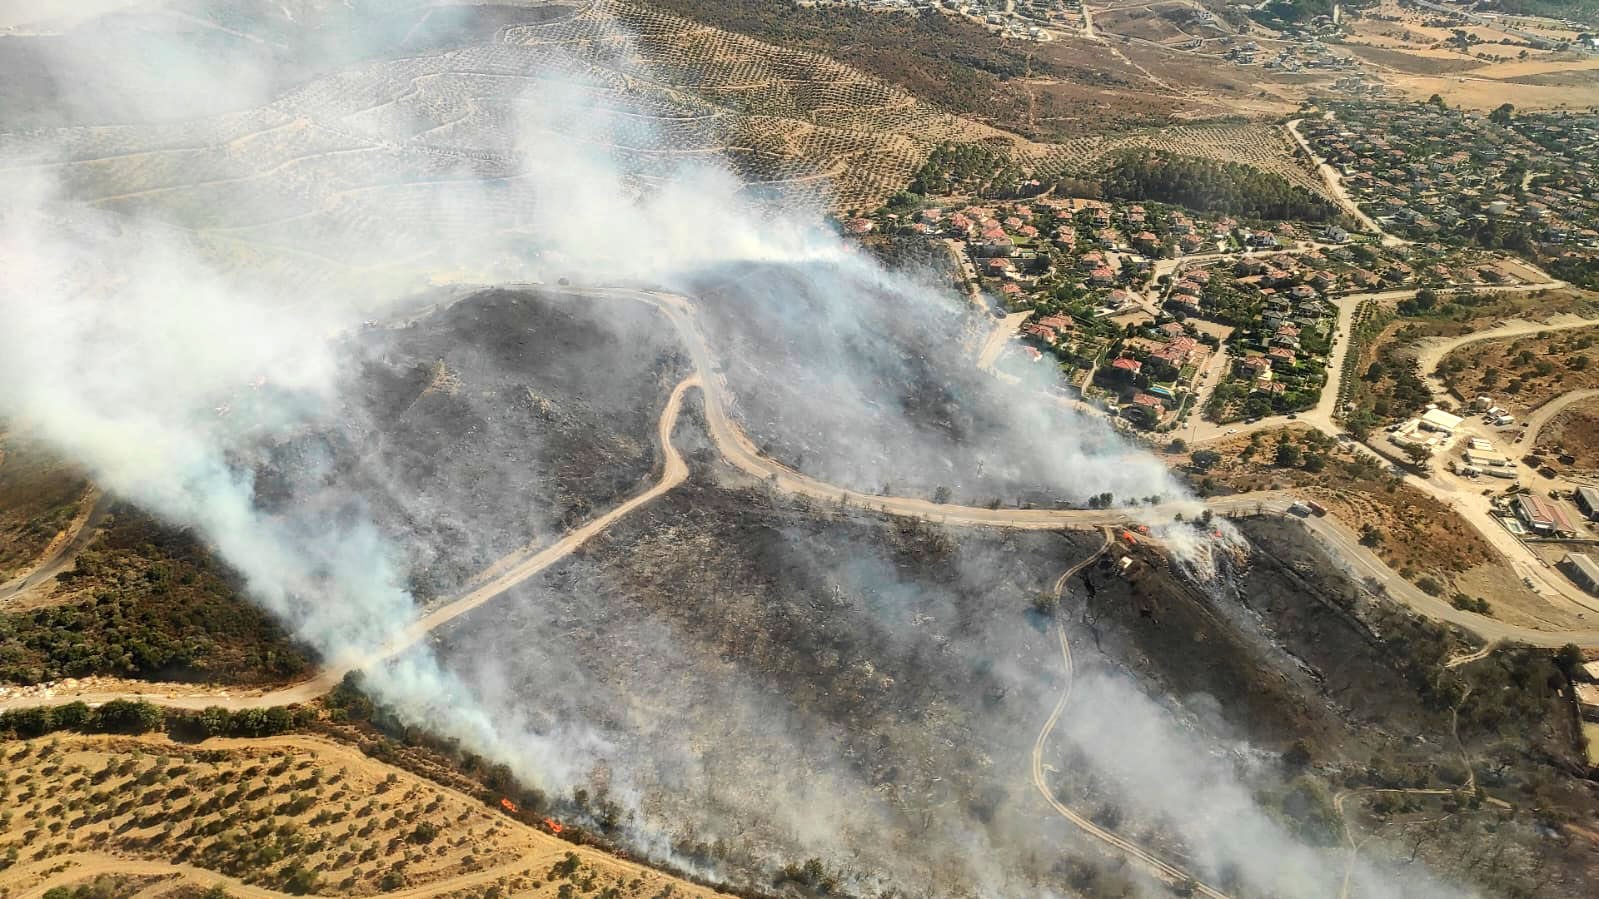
x,y
1475,64
294,814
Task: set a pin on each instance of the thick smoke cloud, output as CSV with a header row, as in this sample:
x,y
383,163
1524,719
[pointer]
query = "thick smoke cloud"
x,y
159,358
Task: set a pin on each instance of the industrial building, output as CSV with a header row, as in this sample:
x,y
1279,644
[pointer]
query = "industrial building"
x,y
1582,570
1438,420
1544,517
1588,501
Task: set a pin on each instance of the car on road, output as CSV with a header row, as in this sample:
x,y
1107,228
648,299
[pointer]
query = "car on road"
x,y
1232,430
1291,416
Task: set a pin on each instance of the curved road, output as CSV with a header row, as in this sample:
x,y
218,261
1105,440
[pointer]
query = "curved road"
x,y
1162,869
737,449
1335,186
64,555
1541,415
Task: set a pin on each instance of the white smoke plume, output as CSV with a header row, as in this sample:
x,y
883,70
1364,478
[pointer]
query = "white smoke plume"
x,y
155,357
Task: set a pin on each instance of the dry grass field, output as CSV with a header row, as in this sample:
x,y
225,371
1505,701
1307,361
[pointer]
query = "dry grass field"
x,y
264,817
1409,49
1523,373
1573,432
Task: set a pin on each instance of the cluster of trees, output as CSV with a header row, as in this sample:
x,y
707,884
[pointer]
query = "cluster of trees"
x,y
1583,271
967,168
1393,386
1208,186
161,609
1292,11
124,716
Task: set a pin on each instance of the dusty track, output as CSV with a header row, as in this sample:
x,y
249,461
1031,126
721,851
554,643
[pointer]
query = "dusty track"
x,y
1541,415
1162,869
62,557
737,449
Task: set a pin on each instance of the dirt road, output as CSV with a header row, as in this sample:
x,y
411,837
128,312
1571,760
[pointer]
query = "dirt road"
x,y
504,574
66,552
1162,869
738,450
1541,415
1432,352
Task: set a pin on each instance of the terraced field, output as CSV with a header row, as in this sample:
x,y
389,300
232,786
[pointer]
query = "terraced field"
x,y
415,159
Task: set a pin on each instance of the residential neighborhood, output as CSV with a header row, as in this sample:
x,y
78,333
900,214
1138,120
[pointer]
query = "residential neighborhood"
x,y
1524,182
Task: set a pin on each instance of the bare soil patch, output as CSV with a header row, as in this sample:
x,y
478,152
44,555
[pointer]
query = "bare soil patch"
x,y
1413,63
1573,432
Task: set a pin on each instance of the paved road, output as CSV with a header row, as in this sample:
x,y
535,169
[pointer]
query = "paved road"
x,y
1335,186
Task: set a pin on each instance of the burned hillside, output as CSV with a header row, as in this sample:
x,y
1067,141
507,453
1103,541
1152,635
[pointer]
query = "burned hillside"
x,y
499,421
773,679
820,349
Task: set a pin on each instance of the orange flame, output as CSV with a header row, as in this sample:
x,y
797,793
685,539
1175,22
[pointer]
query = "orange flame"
x,y
553,825
1128,536
508,805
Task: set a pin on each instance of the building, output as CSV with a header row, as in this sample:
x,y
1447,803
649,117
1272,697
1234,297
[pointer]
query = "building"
x,y
1588,502
1582,570
1439,420
1544,517
1588,701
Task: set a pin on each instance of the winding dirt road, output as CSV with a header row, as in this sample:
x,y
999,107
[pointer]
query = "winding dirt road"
x,y
65,553
738,450
1160,868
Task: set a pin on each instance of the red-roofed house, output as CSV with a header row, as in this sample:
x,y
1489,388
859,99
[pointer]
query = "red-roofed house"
x,y
1127,365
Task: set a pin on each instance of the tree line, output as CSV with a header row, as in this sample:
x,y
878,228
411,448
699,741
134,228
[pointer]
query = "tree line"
x,y
1209,186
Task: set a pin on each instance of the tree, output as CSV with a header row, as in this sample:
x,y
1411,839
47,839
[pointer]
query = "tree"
x,y
1437,100
1370,537
1417,454
1287,455
941,494
1204,460
1045,602
1501,116
128,716
1569,660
